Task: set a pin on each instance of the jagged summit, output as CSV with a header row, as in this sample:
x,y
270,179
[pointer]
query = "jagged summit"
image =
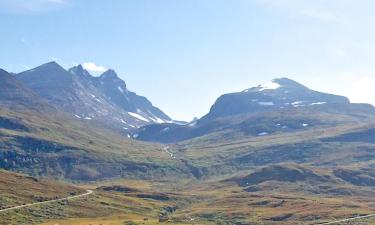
x,y
80,71
50,66
109,74
104,100
110,80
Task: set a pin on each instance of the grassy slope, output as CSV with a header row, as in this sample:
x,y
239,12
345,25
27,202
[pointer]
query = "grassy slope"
x,y
61,147
17,189
96,153
142,204
217,202
212,201
220,153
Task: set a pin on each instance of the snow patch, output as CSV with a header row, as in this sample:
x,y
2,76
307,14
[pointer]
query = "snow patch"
x,y
297,102
165,129
123,121
318,103
157,120
192,124
135,115
266,103
271,85
305,124
262,134
120,89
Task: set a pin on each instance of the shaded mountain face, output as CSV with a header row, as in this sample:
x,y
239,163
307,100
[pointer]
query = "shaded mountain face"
x,y
14,94
104,100
116,92
281,105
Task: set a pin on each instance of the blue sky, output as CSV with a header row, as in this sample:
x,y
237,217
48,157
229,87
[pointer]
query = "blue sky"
x,y
182,54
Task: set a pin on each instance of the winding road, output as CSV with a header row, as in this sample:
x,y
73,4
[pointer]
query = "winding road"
x,y
348,219
88,192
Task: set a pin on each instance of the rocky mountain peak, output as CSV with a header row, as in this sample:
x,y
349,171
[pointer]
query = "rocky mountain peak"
x,y
109,75
80,71
105,99
50,66
277,94
110,80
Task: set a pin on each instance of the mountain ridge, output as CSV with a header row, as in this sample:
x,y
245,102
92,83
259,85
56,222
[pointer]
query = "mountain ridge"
x,y
254,111
104,99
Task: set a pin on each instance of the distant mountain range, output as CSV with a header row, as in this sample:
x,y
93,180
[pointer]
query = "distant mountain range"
x,y
103,100
280,105
279,148
65,123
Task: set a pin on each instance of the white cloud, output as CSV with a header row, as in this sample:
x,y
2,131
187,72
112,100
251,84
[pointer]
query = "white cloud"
x,y
362,91
31,6
92,67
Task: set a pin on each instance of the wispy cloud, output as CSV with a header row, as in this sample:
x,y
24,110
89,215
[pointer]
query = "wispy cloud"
x,y
31,6
92,67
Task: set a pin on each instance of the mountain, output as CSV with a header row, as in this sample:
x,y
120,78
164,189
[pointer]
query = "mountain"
x,y
103,100
280,159
14,91
39,139
277,94
137,106
282,105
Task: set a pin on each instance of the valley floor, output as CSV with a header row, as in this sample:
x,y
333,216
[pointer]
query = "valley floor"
x,y
131,202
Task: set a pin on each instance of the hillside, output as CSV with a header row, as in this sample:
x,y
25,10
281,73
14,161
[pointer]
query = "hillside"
x,y
105,202
17,189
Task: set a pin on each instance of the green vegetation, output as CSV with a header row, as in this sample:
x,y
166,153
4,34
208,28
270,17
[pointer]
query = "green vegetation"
x,y
52,145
